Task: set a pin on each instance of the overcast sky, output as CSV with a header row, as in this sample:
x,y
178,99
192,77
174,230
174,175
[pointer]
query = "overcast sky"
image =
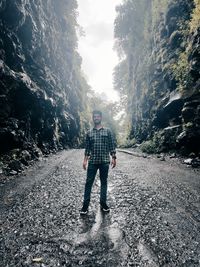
x,y
96,47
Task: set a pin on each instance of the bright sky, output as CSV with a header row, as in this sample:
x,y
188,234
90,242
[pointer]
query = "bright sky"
x,y
96,17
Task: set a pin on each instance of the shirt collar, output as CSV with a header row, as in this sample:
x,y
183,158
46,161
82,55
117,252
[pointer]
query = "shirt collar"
x,y
98,129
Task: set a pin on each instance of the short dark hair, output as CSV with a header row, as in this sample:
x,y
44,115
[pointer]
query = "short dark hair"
x,y
96,112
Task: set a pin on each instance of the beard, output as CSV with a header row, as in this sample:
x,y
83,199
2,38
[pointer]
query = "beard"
x,y
97,122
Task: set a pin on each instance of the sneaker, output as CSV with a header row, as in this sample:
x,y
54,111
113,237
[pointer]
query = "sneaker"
x,y
84,210
104,207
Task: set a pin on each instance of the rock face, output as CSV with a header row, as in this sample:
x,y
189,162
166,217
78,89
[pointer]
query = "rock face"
x,y
164,72
40,85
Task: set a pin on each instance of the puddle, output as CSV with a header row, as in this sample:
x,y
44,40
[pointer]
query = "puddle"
x,y
101,225
101,231
97,234
116,235
99,220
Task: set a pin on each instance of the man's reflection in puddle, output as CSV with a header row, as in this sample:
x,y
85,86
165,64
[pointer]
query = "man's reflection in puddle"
x,y
100,229
93,226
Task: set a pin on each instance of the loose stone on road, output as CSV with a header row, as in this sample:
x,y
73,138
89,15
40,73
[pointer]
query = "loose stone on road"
x,y
154,218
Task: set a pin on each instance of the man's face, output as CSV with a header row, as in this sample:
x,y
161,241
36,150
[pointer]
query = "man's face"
x,y
97,119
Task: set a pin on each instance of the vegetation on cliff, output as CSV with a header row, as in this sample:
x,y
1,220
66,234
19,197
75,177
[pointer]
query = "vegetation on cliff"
x,y
158,75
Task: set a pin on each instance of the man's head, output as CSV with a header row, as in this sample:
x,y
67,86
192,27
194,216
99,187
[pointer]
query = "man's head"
x,y
97,117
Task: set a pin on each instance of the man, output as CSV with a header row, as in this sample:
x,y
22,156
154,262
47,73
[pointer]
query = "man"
x,y
100,145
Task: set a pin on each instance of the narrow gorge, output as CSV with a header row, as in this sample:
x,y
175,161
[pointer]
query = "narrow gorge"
x,y
44,103
61,208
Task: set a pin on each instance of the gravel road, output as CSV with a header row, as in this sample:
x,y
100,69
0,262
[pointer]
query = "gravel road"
x,y
154,218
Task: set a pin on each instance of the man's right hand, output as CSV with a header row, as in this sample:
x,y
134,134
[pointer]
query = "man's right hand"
x,y
85,164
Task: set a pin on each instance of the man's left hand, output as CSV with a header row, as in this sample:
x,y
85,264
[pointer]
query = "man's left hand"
x,y
113,163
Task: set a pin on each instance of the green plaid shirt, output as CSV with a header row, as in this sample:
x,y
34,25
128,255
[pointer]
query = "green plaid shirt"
x,y
99,144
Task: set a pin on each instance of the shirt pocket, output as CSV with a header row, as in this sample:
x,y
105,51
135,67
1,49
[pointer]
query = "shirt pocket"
x,y
104,137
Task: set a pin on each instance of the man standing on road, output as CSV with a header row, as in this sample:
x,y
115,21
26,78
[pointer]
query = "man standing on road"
x,y
100,145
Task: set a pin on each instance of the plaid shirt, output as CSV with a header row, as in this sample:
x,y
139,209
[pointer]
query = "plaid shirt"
x,y
99,143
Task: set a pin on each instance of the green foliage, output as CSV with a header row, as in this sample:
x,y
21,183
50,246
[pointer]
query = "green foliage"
x,y
129,25
148,147
131,29
120,77
155,145
195,20
127,143
180,70
158,9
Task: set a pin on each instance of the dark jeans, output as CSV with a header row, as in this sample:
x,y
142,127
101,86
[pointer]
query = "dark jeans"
x,y
91,173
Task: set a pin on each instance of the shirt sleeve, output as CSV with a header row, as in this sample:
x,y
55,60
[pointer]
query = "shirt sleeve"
x,y
87,145
112,144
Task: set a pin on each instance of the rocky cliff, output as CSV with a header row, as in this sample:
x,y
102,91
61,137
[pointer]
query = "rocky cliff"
x,y
161,53
41,95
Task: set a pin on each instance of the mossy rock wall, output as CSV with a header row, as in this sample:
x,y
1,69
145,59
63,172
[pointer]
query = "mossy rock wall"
x,y
161,47
41,95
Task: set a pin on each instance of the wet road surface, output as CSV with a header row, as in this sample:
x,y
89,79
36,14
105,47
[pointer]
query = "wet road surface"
x,y
154,219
